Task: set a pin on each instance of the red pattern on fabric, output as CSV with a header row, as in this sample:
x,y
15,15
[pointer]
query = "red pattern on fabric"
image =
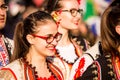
x,y
11,72
4,58
56,71
29,73
80,67
116,64
98,69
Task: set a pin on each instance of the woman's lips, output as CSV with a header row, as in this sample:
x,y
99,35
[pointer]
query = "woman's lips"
x,y
2,20
52,49
76,23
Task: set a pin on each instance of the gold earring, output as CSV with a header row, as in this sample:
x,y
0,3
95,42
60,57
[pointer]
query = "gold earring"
x,y
55,17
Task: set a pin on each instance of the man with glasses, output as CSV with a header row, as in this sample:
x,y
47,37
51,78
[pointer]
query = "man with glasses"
x,y
5,43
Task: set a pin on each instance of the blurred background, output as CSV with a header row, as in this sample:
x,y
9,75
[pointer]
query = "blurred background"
x,y
89,28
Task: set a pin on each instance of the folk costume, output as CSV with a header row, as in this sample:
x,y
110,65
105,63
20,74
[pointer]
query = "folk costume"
x,y
21,70
106,67
69,55
6,49
84,61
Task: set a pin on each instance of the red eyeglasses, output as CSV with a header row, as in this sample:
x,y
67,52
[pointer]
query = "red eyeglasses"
x,y
50,38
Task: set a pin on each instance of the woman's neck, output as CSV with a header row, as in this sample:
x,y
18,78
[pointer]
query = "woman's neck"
x,y
64,40
35,59
39,63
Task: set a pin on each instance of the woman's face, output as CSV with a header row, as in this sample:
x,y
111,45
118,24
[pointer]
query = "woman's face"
x,y
39,45
68,21
2,14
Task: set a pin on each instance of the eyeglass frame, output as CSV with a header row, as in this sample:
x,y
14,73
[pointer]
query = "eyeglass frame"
x,y
80,11
46,38
4,7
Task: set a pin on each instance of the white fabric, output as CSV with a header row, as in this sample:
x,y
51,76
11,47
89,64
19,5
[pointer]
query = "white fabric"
x,y
67,53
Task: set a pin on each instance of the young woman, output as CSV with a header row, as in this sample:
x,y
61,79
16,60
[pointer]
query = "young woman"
x,y
107,66
35,40
68,16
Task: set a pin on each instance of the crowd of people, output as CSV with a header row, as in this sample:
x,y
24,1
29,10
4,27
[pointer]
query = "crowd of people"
x,y
51,40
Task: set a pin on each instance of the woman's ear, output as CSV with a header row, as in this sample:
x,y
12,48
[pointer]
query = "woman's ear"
x,y
118,29
30,38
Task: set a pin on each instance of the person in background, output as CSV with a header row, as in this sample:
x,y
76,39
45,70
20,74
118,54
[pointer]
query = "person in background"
x,y
34,5
107,65
35,39
14,15
6,44
68,16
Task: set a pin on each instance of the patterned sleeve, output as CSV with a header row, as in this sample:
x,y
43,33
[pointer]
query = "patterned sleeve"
x,y
7,74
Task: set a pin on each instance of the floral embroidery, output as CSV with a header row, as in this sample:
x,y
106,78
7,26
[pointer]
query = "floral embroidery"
x,y
79,69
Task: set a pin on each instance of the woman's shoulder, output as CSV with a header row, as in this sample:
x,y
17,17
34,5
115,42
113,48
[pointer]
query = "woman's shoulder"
x,y
83,43
14,64
100,69
84,61
7,74
80,66
11,70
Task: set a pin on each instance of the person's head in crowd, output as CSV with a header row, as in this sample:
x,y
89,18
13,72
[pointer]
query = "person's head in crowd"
x,y
36,35
40,4
28,11
3,14
16,7
67,14
110,28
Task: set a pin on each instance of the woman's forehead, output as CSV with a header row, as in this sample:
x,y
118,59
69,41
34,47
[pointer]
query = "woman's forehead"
x,y
50,25
69,4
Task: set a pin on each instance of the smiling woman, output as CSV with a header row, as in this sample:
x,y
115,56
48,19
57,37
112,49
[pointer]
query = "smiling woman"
x,y
35,40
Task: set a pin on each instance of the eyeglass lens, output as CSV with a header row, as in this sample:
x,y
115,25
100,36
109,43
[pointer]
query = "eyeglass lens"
x,y
51,38
74,12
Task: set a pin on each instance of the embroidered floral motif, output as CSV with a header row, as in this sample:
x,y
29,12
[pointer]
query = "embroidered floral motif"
x,y
80,68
